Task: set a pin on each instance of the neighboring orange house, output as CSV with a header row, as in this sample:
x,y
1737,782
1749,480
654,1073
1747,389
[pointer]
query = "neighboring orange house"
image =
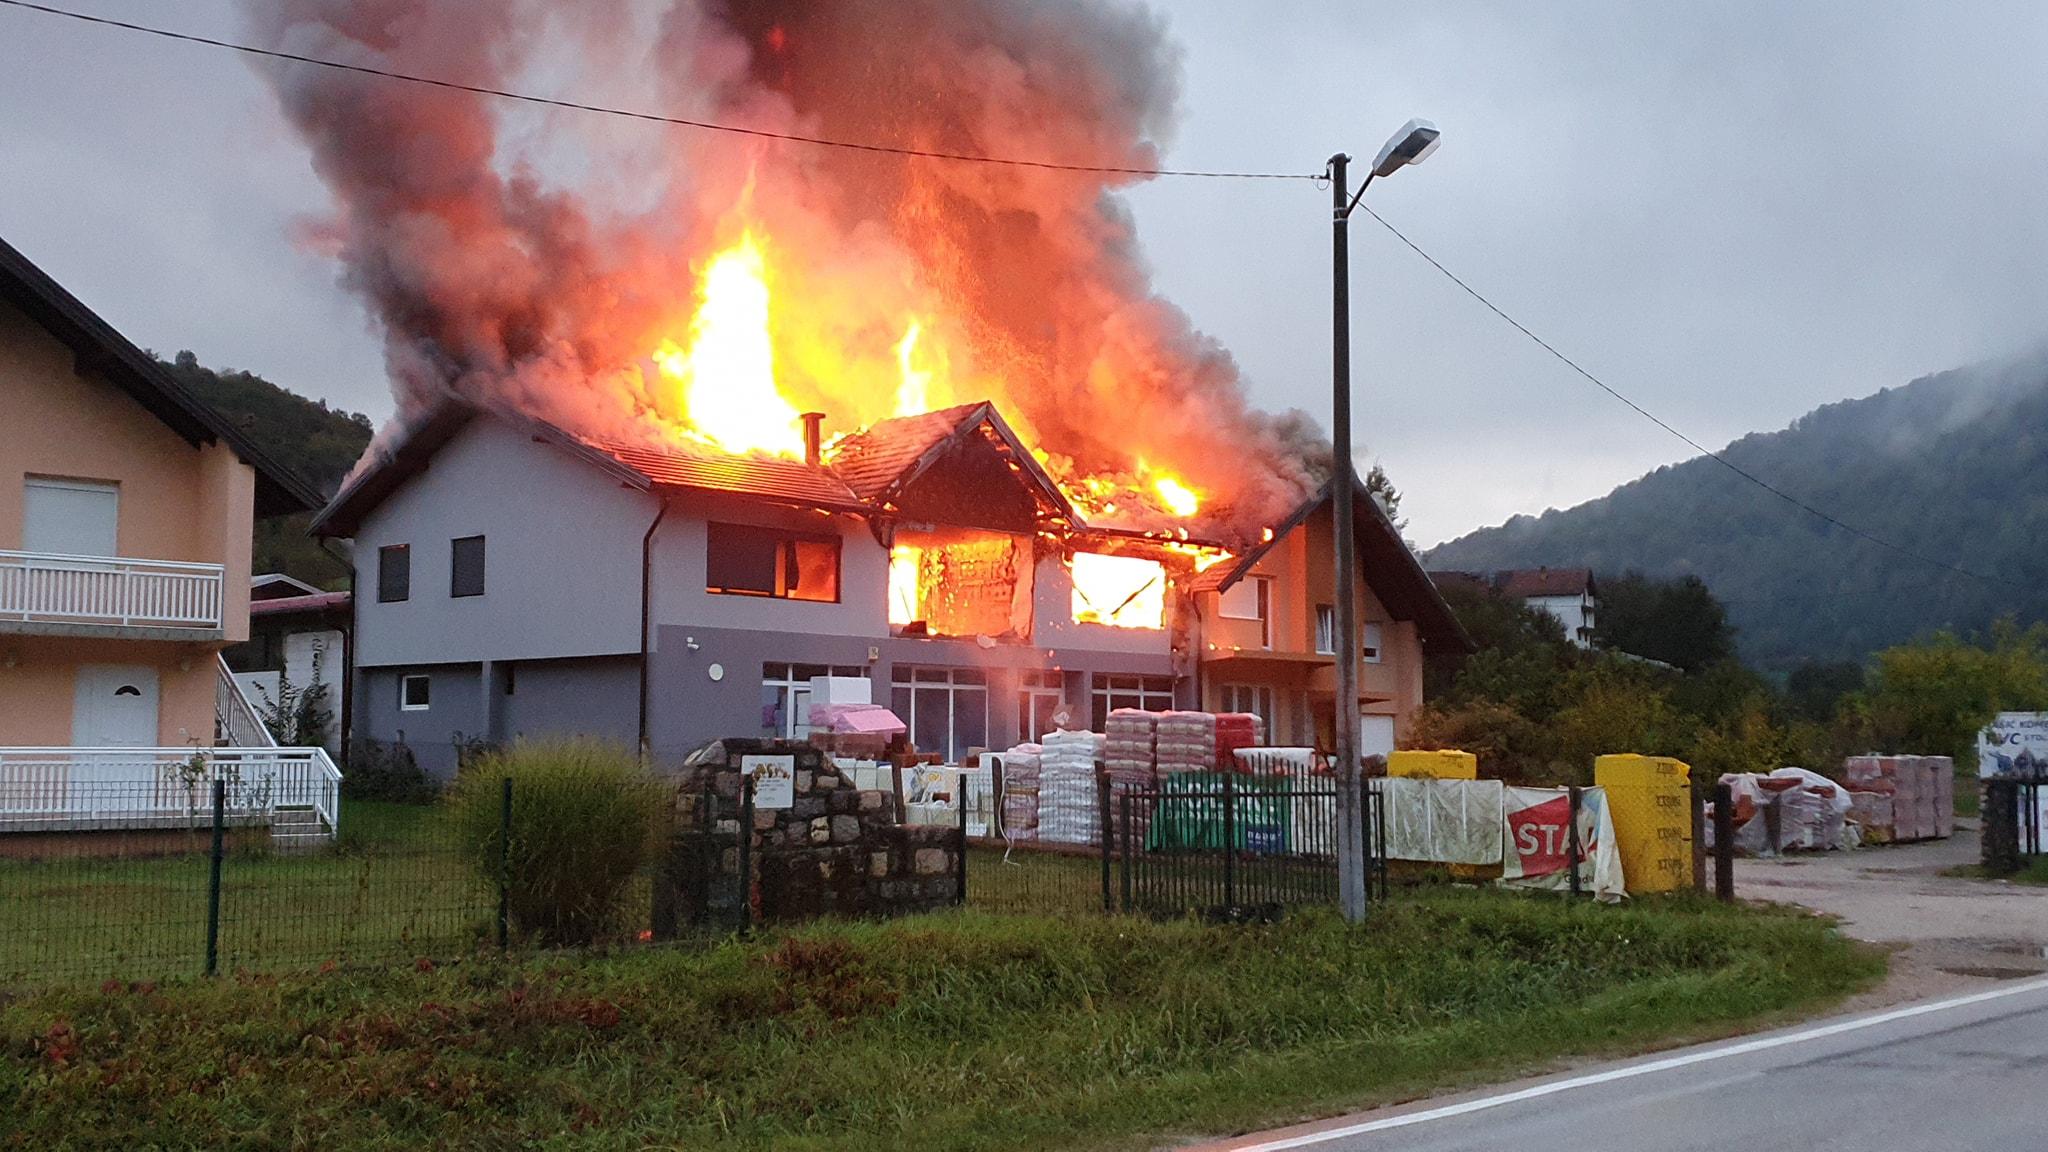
x,y
126,507
1269,629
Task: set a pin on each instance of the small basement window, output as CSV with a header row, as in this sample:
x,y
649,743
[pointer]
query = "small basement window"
x,y
466,566
394,573
748,560
414,692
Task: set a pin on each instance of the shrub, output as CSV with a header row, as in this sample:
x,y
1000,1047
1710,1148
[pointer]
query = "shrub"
x,y
585,817
379,771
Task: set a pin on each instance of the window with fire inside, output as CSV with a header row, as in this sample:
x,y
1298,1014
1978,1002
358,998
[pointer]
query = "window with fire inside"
x,y
750,560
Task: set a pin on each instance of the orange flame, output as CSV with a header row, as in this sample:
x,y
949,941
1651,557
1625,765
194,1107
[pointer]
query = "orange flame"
x,y
727,375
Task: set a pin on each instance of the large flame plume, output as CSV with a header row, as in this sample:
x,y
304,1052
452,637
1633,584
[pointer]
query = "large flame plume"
x,y
700,290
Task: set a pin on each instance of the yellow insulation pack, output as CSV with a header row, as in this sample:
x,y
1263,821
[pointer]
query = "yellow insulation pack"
x,y
1650,798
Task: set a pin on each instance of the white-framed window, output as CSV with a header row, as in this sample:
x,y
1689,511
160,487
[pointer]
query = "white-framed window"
x,y
1039,695
62,517
1257,699
1326,629
786,695
945,708
1371,647
1250,599
1152,693
415,692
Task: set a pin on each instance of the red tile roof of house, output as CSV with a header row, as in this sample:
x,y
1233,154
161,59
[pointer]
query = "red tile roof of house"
x,y
1523,583
872,459
773,478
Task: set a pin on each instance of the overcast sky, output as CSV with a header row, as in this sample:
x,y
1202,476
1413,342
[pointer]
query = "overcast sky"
x,y
1732,212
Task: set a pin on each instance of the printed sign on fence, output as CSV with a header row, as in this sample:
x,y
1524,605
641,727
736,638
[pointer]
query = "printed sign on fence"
x,y
1538,822
774,780
2014,744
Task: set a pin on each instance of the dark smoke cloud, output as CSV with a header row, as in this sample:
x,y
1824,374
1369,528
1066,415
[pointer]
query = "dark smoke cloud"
x,y
493,285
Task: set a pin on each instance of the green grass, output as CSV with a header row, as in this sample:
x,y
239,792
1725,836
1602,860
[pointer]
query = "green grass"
x,y
393,886
961,1031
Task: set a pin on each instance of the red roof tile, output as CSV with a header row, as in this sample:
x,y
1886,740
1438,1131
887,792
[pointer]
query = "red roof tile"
x,y
1523,583
766,477
871,459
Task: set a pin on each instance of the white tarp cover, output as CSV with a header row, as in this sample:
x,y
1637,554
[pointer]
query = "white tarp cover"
x,y
1443,821
1538,840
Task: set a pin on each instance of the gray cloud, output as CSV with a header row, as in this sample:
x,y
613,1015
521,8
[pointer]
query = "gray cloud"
x,y
1734,212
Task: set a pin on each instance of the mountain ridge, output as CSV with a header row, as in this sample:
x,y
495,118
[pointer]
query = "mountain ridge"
x,y
1952,467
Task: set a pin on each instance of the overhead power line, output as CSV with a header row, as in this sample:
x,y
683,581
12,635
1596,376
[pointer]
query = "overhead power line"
x,y
652,117
1652,417
1014,162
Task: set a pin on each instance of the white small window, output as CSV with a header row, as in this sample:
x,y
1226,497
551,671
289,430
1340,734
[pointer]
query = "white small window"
x,y
1245,600
414,693
1370,649
1326,630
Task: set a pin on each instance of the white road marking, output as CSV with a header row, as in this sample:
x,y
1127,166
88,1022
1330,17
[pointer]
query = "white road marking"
x,y
1466,1107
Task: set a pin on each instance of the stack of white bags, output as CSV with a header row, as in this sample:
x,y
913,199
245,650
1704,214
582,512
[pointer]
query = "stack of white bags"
x,y
1066,787
1186,742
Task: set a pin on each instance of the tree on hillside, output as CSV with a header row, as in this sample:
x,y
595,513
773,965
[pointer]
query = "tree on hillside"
x,y
319,443
1933,698
1815,689
1676,621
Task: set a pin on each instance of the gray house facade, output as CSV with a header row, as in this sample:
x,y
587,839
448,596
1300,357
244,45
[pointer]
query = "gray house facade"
x,y
514,581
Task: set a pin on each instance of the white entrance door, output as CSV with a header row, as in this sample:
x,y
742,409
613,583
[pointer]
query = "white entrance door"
x,y
116,707
70,517
1375,735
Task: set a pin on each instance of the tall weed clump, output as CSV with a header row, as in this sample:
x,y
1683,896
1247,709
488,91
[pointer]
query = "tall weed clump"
x,y
585,816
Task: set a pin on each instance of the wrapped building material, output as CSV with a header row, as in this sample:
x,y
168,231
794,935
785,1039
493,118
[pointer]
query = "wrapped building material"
x,y
1186,742
1127,744
1235,730
1066,788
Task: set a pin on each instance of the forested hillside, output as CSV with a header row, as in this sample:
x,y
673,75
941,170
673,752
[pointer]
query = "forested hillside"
x,y
306,436
1952,466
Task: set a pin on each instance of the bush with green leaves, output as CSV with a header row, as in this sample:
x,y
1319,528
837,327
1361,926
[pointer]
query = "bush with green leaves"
x,y
376,770
585,817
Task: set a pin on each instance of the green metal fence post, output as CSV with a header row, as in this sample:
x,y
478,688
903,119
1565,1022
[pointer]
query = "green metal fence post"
x,y
1105,827
1229,842
220,804
505,864
960,861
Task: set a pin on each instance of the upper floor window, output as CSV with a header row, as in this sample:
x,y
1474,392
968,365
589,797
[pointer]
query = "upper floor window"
x,y
70,517
748,560
1250,599
466,566
1326,629
1371,643
394,573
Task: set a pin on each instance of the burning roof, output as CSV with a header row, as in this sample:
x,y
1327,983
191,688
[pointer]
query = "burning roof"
x,y
681,298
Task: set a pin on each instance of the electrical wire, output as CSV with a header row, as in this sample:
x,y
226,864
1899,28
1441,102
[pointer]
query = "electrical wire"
x,y
652,117
1702,449
1016,162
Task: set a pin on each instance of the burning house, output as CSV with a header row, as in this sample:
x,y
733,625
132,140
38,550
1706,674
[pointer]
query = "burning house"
x,y
685,419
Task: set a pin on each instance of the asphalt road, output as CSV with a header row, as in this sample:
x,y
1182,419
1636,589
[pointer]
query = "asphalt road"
x,y
1958,1075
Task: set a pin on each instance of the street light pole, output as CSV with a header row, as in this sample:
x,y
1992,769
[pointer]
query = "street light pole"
x,y
1351,888
1416,140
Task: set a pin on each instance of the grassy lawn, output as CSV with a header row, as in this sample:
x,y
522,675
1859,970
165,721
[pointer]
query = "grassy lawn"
x,y
964,1030
394,886
2035,872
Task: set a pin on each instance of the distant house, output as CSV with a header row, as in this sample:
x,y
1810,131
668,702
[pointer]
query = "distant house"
x,y
126,508
513,579
1568,594
296,633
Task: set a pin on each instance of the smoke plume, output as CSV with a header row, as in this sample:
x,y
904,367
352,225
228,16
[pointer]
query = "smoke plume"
x,y
534,261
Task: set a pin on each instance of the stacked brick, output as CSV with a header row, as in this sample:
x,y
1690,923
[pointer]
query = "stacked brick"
x,y
1900,798
1235,730
1020,791
1187,742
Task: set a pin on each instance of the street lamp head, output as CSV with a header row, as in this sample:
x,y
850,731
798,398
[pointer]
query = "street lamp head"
x,y
1411,145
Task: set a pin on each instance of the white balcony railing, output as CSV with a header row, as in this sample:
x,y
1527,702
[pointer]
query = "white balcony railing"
x,y
51,789
43,588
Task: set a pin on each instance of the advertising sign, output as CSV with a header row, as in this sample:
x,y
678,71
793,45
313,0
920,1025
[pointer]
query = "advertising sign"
x,y
1538,841
774,780
2014,744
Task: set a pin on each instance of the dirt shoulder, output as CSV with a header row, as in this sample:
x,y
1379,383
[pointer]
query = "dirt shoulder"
x,y
1951,934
